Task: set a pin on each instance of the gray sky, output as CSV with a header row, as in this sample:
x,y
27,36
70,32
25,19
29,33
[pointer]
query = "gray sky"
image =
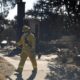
x,y
29,5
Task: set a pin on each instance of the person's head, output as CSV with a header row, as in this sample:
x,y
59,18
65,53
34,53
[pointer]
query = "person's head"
x,y
26,22
26,30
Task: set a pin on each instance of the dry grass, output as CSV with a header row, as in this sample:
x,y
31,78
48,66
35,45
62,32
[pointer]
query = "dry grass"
x,y
2,77
6,69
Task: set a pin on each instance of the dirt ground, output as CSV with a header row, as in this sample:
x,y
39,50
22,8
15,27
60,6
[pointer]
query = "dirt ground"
x,y
27,71
48,69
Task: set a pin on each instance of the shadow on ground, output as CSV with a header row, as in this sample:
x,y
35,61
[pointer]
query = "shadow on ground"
x,y
32,76
19,77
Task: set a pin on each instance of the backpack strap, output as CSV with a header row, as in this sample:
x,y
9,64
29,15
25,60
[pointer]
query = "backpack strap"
x,y
27,41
